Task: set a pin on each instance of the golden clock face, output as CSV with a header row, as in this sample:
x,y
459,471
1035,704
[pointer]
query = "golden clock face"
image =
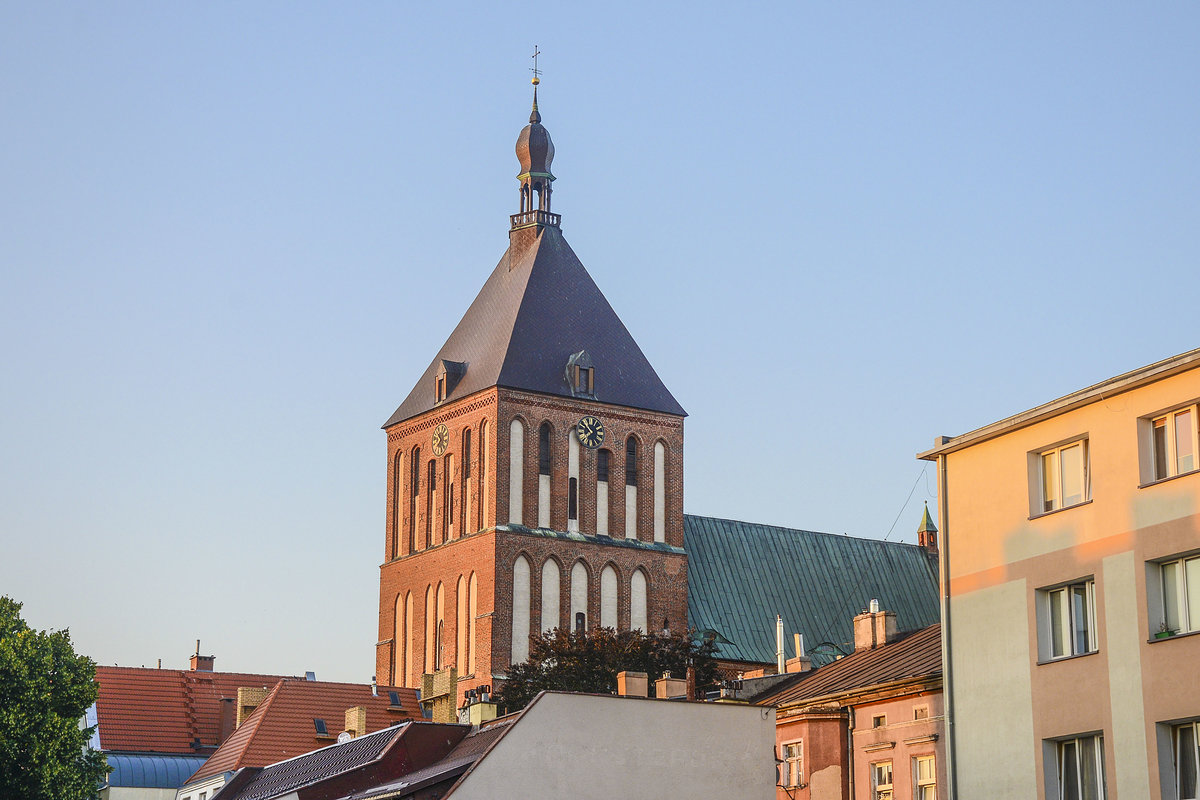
x,y
590,432
441,439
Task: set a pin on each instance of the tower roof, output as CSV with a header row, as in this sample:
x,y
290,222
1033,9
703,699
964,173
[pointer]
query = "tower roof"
x,y
538,308
535,150
927,525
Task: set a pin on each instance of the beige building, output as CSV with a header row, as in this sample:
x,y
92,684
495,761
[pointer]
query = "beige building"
x,y
1071,592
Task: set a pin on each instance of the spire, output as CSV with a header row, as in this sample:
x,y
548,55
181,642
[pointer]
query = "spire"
x,y
535,152
927,532
535,115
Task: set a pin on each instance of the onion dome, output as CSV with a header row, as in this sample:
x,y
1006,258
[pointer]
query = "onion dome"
x,y
535,151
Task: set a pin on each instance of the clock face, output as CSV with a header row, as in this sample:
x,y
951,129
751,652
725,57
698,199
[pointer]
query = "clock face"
x,y
590,432
441,438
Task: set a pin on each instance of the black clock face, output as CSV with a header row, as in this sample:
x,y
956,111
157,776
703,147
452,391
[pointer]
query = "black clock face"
x,y
441,438
590,432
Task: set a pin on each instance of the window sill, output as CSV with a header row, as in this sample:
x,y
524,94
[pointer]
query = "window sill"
x,y
1060,659
1060,510
1168,478
1180,635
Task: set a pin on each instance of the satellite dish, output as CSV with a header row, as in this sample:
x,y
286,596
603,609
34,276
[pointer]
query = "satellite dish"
x,y
344,737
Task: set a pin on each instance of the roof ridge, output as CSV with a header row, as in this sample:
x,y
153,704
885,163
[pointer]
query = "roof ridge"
x,y
786,529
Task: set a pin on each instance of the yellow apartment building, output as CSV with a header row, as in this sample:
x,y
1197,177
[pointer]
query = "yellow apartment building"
x,y
1070,567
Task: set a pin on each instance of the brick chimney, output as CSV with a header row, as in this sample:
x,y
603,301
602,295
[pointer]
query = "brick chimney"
x,y
356,721
633,684
874,628
228,720
248,699
201,663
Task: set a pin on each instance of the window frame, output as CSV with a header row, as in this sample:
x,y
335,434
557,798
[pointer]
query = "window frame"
x,y
1093,740
1152,449
1186,616
1178,758
793,764
879,789
919,783
1043,482
1065,615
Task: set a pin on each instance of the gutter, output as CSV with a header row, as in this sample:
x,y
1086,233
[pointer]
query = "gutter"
x,y
947,669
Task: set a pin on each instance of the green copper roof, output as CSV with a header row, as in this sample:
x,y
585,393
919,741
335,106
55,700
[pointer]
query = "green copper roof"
x,y
741,574
927,522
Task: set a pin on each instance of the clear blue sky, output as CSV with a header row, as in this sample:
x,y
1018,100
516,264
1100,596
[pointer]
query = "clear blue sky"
x,y
233,234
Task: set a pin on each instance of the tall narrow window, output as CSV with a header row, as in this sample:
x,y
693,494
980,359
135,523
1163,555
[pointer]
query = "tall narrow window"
x,y
602,457
465,495
460,625
441,627
573,503
551,606
414,490
1081,768
1174,443
608,597
449,509
637,602
1069,624
520,610
572,481
881,780
516,473
631,484
1181,594
660,492
924,778
397,508
793,765
472,612
1187,760
430,501
399,637
484,489
579,594
543,518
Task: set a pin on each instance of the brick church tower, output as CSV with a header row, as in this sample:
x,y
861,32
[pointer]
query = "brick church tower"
x,y
535,474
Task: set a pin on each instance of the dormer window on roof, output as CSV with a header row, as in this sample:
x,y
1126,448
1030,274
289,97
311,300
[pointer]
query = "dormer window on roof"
x,y
447,377
581,375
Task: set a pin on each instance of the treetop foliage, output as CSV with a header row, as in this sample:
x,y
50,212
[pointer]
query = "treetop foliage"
x,y
588,661
45,689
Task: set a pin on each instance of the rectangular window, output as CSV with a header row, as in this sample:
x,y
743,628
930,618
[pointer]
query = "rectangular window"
x,y
602,466
924,778
879,721
1180,595
793,765
1173,444
1062,477
440,389
881,780
921,712
1187,760
1081,768
1068,620
573,499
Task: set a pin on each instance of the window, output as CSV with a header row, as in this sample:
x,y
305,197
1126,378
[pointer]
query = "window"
x,y
631,476
439,389
1069,615
879,721
583,380
544,449
1173,443
415,463
793,765
319,724
921,712
1062,477
602,465
1081,768
881,780
573,499
1187,760
1181,594
924,778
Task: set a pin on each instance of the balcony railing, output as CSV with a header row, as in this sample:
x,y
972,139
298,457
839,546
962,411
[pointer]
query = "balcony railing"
x,y
528,218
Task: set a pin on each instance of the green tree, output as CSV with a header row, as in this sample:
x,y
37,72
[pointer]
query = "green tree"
x,y
589,661
45,688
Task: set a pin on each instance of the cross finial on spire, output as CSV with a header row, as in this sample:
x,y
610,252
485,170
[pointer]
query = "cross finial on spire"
x,y
536,72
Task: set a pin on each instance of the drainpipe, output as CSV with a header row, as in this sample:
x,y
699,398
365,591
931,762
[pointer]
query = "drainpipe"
x,y
947,669
850,751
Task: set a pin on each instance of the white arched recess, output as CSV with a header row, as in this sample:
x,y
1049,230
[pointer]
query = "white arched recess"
x,y
660,493
406,679
399,637
637,602
551,609
608,597
579,594
430,626
520,611
472,612
516,473
460,626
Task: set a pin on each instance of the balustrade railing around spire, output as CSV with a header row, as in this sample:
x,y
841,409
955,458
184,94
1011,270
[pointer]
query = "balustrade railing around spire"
x,y
527,219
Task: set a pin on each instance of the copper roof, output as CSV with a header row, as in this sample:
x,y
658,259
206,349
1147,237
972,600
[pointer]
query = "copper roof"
x,y
165,710
282,726
917,654
538,308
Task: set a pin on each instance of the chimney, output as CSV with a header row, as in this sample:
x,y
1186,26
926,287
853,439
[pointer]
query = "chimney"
x,y
479,706
201,663
228,721
874,628
801,663
779,655
667,687
633,684
248,699
356,721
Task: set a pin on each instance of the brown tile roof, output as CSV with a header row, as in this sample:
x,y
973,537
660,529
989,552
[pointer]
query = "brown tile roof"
x,y
917,654
165,710
282,727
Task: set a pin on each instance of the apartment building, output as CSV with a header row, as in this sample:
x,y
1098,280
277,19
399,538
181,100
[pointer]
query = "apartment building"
x,y
1070,567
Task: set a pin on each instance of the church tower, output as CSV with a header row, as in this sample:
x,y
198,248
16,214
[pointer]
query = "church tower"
x,y
535,471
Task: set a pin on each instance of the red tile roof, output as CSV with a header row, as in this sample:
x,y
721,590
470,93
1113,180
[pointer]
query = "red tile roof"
x,y
914,655
281,727
165,710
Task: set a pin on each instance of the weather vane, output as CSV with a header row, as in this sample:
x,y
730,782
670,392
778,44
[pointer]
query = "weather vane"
x,y
536,72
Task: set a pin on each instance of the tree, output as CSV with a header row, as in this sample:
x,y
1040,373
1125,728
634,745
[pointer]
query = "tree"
x,y
589,661
45,689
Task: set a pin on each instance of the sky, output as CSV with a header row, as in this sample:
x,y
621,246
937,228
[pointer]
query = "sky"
x,y
232,236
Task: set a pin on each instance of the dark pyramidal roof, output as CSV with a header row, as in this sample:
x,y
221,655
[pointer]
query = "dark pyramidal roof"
x,y
538,308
